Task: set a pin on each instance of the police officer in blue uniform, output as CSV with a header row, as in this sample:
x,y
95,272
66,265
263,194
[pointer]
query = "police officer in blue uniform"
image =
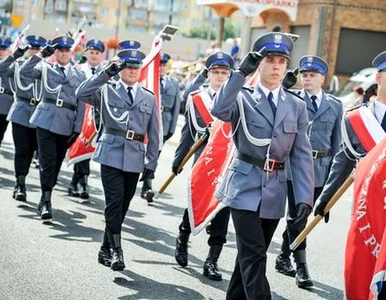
x,y
94,51
219,66
351,149
270,126
6,94
170,107
27,91
129,112
324,115
59,115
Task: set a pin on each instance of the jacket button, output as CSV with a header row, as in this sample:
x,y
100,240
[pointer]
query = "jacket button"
x,y
275,135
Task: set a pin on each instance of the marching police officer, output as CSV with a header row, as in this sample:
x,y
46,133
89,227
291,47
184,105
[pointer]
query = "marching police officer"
x,y
170,107
27,91
270,126
219,66
352,149
59,115
94,51
6,94
324,114
129,112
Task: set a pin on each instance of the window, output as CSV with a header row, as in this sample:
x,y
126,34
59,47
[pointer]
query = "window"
x,y
35,3
104,11
196,22
60,5
137,14
185,6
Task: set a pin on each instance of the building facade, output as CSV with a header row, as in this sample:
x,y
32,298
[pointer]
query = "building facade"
x,y
348,34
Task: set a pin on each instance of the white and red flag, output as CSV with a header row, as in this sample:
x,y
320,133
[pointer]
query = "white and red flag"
x,y
150,78
207,172
365,257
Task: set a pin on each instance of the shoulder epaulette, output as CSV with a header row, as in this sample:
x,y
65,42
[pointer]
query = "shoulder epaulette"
x,y
293,93
334,98
148,90
248,88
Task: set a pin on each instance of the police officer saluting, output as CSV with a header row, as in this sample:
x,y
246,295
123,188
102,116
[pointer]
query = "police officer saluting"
x,y
27,90
170,107
128,112
6,94
94,51
325,114
269,125
199,104
59,116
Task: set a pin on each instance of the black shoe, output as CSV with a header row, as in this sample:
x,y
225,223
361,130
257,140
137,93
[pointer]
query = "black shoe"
x,y
46,211
284,266
303,279
143,194
149,196
73,190
104,256
117,262
181,253
84,192
211,270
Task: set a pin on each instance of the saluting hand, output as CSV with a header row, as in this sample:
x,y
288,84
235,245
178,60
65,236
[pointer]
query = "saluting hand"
x,y
113,68
47,50
19,52
250,62
290,78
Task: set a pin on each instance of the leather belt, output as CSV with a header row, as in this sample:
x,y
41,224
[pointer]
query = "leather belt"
x,y
319,154
269,165
166,109
59,103
6,91
129,134
31,101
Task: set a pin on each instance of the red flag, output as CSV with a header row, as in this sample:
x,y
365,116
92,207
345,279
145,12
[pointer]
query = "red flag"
x,y
365,258
206,175
82,149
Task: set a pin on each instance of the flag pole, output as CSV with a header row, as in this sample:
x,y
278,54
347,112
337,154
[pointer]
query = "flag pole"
x,y
192,150
302,236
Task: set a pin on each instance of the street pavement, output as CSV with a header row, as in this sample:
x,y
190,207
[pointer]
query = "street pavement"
x,y
59,260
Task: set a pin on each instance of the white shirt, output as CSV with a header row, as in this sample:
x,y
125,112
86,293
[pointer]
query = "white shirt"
x,y
380,110
66,67
318,97
133,90
275,93
86,68
211,93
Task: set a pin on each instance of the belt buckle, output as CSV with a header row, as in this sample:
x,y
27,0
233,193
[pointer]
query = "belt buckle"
x,y
2,90
32,101
59,102
130,135
315,154
269,165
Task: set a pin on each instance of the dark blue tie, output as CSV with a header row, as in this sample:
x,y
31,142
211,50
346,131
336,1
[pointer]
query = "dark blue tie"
x,y
270,101
313,98
161,86
63,70
383,123
129,88
93,70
